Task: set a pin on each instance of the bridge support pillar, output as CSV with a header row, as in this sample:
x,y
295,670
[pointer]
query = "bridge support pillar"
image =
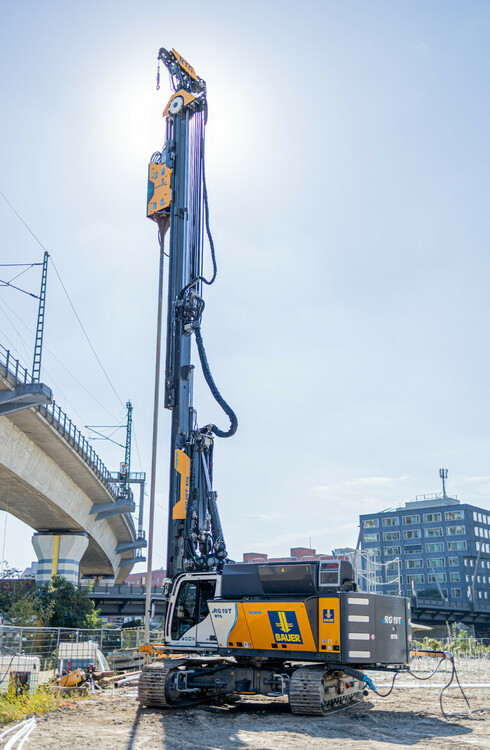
x,y
59,555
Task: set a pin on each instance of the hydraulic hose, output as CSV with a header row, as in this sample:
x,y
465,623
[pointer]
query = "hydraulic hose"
x,y
214,390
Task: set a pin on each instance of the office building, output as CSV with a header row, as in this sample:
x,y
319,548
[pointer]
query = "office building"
x,y
435,545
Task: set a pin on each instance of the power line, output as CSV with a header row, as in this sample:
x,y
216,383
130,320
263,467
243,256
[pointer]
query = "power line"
x,y
65,291
51,379
72,374
85,334
17,288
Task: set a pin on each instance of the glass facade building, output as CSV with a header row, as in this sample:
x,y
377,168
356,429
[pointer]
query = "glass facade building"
x,y
437,546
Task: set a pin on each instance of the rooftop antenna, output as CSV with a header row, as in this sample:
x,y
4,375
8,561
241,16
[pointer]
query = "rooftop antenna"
x,y
443,475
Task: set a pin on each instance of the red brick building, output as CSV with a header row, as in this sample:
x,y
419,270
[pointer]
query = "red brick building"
x,y
139,579
297,554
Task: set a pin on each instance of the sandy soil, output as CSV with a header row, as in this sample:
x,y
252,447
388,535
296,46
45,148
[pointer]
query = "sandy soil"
x,y
407,718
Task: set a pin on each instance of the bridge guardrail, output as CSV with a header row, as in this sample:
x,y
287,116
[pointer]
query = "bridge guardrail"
x,y
61,422
121,589
421,602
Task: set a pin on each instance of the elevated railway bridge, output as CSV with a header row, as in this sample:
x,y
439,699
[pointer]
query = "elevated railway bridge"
x,y
129,600
52,479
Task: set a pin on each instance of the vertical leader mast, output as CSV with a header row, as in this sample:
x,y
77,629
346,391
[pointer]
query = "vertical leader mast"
x,y
177,199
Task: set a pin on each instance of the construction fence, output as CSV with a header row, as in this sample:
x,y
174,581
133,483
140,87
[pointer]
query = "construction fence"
x,y
47,643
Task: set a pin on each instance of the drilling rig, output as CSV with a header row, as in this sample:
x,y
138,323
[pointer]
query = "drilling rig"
x,y
297,629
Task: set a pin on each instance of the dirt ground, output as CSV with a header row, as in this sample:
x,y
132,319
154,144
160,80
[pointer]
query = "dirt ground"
x,y
407,718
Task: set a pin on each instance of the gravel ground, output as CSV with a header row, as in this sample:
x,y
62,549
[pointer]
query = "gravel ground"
x,y
407,718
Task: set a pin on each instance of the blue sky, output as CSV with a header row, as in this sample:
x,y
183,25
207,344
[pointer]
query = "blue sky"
x,y
347,164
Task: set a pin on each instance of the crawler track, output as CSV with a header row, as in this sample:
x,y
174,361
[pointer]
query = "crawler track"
x,y
152,686
315,691
156,689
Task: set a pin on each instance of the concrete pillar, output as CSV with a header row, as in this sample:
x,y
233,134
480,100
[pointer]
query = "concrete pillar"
x,y
59,555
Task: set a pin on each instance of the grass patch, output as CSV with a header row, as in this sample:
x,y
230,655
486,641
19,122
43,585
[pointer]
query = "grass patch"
x,y
16,707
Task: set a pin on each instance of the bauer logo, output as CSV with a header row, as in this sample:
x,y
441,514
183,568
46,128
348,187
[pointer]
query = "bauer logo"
x,y
328,615
285,627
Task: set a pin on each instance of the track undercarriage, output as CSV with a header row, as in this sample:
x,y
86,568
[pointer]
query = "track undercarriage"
x,y
184,682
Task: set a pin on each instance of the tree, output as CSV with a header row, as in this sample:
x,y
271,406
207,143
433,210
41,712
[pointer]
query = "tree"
x,y
13,587
71,608
57,604
28,611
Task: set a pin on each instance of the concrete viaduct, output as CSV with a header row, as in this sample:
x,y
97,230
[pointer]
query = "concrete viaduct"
x,y
52,479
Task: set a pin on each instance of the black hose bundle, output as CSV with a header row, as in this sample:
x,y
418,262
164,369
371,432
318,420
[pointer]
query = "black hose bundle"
x,y
214,390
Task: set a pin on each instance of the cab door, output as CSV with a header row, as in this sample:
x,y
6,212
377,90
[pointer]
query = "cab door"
x,y
190,623
205,635
183,615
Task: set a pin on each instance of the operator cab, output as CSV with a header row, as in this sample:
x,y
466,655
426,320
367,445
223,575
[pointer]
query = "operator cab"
x,y
188,622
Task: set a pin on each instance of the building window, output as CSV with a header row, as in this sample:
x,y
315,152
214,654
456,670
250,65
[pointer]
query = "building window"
x,y
412,534
456,593
431,533
454,577
417,578
391,536
392,550
475,516
392,565
436,562
372,551
435,547
453,561
413,549
455,546
432,517
455,530
370,523
409,520
454,515
390,521
431,578
371,537
410,564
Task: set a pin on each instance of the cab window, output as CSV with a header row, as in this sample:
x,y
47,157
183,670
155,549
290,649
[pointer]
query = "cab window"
x,y
191,606
206,592
185,609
